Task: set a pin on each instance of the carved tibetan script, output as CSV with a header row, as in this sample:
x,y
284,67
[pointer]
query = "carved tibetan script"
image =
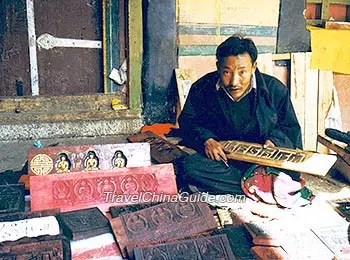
x,y
11,198
257,150
161,222
122,186
84,223
162,150
209,248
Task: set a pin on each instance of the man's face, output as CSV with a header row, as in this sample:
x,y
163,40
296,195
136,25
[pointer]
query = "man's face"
x,y
236,73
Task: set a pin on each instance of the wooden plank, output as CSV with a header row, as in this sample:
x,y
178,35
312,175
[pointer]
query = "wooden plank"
x,y
135,54
102,189
162,150
289,159
269,252
98,247
161,222
11,198
32,227
60,159
325,97
213,247
265,63
311,105
297,88
85,223
335,147
44,247
337,25
325,9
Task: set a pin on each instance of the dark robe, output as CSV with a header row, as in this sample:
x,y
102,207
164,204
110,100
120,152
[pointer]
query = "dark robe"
x,y
266,113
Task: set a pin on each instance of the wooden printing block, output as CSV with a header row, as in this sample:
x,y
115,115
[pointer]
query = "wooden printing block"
x,y
102,189
162,150
240,241
209,248
27,215
11,198
161,222
98,247
336,238
342,206
85,223
269,252
118,211
266,234
62,159
44,247
30,224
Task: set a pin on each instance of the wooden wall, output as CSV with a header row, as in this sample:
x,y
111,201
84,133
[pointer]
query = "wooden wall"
x,y
200,31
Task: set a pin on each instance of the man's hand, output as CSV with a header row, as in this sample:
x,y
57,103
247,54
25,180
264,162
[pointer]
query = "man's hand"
x,y
268,143
214,150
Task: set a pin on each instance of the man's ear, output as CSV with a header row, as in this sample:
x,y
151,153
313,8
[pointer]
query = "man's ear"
x,y
255,64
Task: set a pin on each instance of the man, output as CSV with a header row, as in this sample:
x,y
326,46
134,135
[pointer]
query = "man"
x,y
236,102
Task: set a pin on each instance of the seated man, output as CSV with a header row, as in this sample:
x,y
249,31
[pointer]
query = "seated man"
x,y
236,102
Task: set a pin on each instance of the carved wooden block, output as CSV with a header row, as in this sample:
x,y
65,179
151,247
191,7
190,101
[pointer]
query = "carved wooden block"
x,y
11,198
342,206
85,223
118,211
336,238
117,187
240,241
162,151
161,222
98,247
289,159
62,159
269,252
32,227
44,247
209,248
28,215
265,233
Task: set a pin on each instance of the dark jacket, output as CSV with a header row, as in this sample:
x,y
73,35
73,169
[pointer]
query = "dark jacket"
x,y
204,115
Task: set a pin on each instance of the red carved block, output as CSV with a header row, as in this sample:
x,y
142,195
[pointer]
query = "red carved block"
x,y
62,159
11,198
85,223
162,150
209,248
161,222
269,252
115,187
44,247
98,247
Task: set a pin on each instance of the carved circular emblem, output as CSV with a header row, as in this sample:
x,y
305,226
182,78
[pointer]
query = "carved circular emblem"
x,y
148,182
41,164
129,185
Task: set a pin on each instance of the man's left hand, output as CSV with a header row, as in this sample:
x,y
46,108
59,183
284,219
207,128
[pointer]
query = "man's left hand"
x,y
268,143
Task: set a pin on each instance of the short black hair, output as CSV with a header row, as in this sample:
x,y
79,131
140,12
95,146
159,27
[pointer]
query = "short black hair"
x,y
235,45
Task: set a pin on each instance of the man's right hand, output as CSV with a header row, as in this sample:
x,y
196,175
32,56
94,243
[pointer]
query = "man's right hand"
x,y
214,150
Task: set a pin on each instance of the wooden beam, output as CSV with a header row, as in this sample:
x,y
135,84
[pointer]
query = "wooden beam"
x,y
342,2
281,56
325,10
135,54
